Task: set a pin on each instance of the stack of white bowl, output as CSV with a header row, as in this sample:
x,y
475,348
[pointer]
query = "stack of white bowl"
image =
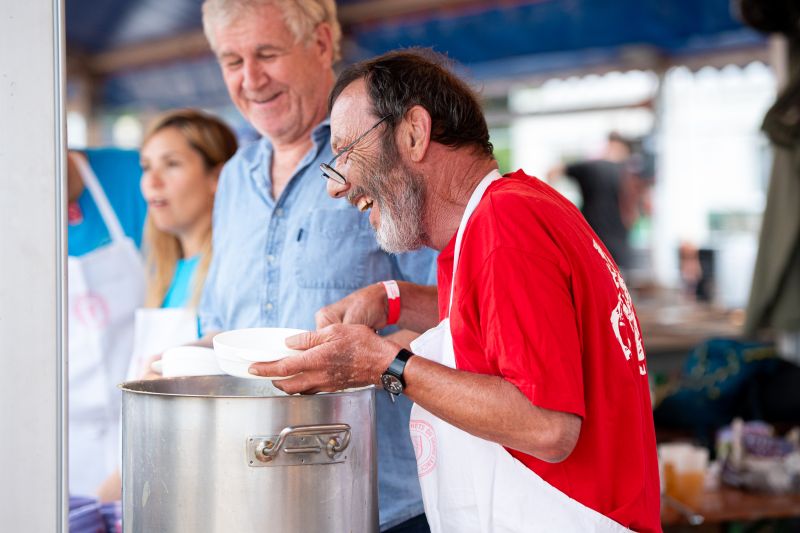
x,y
187,361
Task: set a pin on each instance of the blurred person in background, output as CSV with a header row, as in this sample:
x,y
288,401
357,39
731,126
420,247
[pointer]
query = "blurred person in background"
x,y
283,249
181,158
106,214
612,191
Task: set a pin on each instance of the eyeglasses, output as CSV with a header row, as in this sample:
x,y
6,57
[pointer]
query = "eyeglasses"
x,y
331,173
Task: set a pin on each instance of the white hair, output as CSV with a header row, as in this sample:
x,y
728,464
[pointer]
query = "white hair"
x,y
300,16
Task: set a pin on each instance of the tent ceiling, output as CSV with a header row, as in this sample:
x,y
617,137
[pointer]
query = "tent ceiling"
x,y
133,43
98,26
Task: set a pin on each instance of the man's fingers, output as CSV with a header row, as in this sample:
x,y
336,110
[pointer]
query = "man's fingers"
x,y
149,370
304,341
305,372
327,316
306,383
356,315
287,366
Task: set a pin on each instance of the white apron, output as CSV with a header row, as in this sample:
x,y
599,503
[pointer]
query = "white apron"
x,y
106,285
471,485
158,330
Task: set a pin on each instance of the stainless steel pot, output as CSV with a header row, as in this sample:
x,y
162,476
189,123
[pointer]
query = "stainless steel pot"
x,y
222,454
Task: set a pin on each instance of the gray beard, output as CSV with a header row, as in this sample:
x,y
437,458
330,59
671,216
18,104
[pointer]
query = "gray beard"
x,y
400,195
398,234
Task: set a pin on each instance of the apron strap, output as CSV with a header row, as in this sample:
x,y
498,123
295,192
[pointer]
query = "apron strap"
x,y
474,200
100,199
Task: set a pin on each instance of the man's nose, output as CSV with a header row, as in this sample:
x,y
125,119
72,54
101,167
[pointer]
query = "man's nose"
x,y
254,76
336,189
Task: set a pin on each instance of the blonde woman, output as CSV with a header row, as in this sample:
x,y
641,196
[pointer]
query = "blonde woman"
x,y
181,157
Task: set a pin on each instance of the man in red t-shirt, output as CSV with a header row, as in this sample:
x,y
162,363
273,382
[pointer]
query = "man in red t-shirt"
x,y
532,403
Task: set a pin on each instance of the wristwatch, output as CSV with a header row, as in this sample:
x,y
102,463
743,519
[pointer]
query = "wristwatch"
x,y
392,377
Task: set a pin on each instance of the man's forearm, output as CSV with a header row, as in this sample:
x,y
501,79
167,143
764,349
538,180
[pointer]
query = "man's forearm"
x,y
419,309
491,408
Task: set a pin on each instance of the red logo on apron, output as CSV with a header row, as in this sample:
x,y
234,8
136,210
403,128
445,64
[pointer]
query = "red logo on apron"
x,y
74,214
91,310
423,437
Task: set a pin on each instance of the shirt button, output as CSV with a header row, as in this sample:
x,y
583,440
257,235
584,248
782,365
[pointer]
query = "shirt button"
x,y
268,307
271,258
279,212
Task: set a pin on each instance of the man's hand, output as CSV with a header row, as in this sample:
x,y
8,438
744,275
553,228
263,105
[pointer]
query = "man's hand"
x,y
148,371
367,306
336,357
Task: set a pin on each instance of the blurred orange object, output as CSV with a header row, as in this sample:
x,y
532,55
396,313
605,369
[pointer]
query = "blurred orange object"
x,y
684,470
688,486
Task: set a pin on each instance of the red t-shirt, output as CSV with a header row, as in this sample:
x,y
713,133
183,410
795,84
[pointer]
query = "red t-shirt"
x,y
539,301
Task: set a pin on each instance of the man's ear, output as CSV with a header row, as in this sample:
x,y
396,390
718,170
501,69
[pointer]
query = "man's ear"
x,y
415,135
323,42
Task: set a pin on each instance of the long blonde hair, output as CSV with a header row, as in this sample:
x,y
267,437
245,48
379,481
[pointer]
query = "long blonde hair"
x,y
216,143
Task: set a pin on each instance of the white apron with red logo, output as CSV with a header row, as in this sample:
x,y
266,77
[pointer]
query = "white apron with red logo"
x,y
105,288
471,485
156,331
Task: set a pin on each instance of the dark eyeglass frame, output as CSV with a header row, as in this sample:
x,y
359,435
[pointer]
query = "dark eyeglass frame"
x,y
328,172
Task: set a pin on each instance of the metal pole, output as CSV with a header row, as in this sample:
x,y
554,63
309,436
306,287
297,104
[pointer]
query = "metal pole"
x,y
33,455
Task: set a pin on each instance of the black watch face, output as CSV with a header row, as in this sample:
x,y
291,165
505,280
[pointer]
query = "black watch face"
x,y
392,384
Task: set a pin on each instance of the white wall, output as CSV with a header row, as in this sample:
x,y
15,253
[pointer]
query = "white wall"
x,y
32,268
539,142
711,160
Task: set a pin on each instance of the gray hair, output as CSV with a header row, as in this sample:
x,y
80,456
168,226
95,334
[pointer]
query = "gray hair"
x,y
300,16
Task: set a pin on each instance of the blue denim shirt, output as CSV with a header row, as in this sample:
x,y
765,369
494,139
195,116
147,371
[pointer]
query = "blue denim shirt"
x,y
276,262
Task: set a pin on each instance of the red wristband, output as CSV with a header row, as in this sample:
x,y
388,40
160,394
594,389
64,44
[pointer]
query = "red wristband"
x,y
393,297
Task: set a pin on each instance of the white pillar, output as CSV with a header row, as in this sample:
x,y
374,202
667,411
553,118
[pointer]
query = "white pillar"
x,y
32,268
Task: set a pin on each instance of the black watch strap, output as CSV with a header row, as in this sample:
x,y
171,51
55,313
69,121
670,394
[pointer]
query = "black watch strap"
x,y
392,377
398,366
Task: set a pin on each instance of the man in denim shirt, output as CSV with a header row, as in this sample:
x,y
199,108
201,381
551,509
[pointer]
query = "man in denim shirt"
x,y
283,248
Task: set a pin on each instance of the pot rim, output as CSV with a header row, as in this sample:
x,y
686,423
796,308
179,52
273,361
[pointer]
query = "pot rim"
x,y
126,387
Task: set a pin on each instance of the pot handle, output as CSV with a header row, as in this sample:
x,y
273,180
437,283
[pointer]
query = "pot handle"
x,y
294,440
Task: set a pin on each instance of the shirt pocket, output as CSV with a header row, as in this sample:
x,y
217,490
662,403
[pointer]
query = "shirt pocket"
x,y
335,249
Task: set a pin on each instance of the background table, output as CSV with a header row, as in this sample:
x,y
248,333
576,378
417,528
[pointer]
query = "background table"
x,y
727,504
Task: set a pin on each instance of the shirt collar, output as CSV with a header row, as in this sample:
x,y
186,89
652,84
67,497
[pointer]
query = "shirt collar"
x,y
320,135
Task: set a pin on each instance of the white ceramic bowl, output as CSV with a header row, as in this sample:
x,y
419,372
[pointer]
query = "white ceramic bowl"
x,y
189,361
237,349
257,345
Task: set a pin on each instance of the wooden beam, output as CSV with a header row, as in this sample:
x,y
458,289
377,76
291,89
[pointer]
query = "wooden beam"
x,y
375,10
182,46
